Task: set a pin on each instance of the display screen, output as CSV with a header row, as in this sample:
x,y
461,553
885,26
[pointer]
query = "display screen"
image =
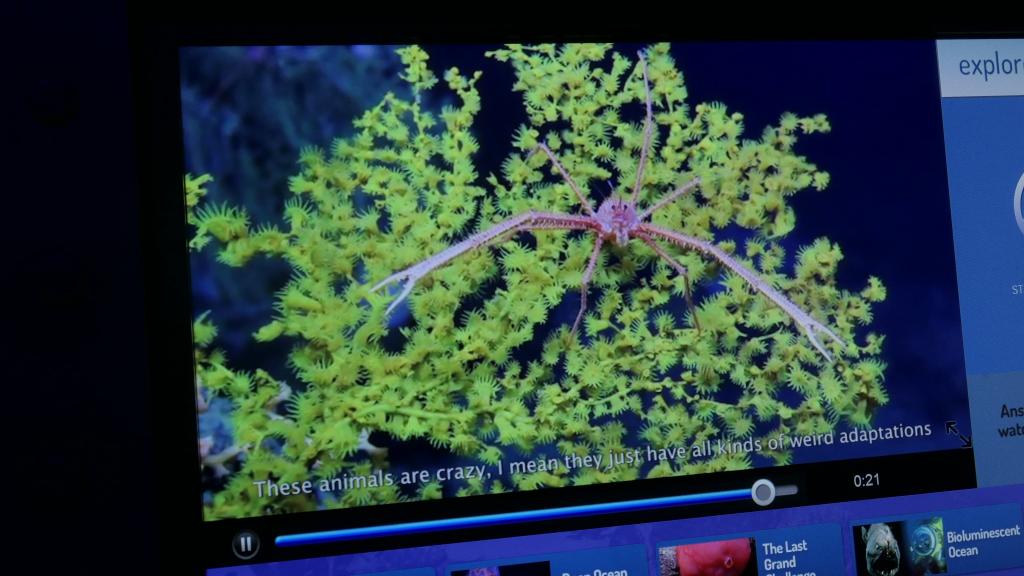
x,y
525,282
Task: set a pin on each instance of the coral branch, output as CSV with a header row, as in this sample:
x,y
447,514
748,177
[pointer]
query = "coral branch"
x,y
217,462
810,326
271,406
525,221
202,404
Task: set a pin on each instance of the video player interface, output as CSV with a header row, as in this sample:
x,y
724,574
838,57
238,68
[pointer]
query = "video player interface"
x,y
608,310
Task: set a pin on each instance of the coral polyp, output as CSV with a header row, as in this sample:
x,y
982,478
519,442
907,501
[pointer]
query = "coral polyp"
x,y
491,358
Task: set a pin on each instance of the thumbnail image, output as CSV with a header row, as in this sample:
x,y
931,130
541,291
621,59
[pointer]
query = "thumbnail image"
x,y
736,557
908,548
525,569
429,272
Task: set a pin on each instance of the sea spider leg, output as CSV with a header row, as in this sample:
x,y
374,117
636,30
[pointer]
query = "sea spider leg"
x,y
648,133
525,221
680,269
810,326
585,283
669,198
565,176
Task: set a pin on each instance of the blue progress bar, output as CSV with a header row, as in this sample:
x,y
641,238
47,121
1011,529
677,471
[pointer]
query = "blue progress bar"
x,y
306,538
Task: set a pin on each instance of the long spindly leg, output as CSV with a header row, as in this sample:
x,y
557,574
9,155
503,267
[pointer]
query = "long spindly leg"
x,y
587,207
648,132
525,221
811,327
669,198
585,282
680,269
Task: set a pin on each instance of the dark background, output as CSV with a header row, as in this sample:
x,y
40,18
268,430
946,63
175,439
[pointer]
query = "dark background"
x,y
80,476
81,459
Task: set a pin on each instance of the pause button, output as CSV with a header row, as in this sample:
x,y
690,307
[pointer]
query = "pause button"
x,y
245,544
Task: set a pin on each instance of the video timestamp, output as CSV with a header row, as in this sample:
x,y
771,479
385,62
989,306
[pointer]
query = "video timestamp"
x,y
870,480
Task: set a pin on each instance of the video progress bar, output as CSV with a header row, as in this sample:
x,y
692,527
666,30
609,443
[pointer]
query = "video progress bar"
x,y
303,539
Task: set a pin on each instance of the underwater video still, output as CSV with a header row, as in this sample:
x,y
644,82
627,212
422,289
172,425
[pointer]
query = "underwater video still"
x,y
432,272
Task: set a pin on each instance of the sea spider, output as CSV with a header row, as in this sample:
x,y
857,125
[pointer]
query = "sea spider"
x,y
617,221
